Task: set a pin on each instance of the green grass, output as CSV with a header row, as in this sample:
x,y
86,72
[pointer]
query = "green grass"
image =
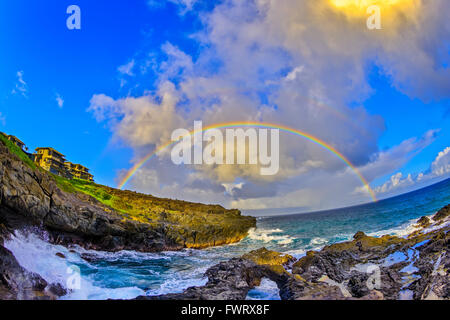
x,y
139,207
96,191
17,151
192,224
77,185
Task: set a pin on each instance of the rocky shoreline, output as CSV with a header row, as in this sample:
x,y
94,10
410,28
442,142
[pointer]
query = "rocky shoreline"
x,y
32,198
388,267
366,268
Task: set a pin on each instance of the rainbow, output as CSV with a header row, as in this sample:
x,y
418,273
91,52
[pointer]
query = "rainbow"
x,y
307,136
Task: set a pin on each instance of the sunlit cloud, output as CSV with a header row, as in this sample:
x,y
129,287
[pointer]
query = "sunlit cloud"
x,y
298,63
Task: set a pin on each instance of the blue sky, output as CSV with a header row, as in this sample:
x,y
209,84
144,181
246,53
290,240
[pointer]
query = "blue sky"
x,y
405,117
75,65
179,41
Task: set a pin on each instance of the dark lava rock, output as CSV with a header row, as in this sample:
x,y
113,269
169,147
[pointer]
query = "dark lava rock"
x,y
442,214
57,289
59,254
365,268
424,221
359,235
357,284
16,282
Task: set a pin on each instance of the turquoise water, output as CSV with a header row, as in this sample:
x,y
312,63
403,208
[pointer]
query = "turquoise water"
x,y
127,274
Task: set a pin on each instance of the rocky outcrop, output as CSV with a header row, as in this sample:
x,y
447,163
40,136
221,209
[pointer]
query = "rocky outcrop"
x,y
30,196
367,268
442,214
263,256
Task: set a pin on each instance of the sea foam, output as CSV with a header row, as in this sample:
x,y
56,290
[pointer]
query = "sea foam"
x,y
268,235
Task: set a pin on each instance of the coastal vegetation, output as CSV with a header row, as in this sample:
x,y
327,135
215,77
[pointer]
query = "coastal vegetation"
x,y
149,209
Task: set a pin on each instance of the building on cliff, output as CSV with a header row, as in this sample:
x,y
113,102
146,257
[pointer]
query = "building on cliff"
x,y
79,171
19,143
15,140
53,161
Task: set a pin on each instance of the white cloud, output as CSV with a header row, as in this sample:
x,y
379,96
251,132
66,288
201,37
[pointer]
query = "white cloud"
x,y
231,187
439,169
177,61
441,165
59,100
385,162
294,73
187,5
21,87
127,69
143,121
297,63
395,182
184,5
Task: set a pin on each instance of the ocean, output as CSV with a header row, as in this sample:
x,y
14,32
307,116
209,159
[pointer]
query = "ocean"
x,y
127,274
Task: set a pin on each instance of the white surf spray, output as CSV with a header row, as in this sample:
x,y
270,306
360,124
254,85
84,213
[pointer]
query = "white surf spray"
x,y
52,263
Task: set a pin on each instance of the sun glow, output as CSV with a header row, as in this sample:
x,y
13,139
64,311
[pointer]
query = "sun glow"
x,y
364,3
360,6
393,14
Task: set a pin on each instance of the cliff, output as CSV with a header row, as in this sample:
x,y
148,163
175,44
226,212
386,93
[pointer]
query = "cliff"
x,y
103,218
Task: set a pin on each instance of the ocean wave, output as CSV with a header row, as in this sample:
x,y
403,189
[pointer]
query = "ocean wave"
x,y
55,264
402,230
177,284
435,227
296,253
267,235
318,241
